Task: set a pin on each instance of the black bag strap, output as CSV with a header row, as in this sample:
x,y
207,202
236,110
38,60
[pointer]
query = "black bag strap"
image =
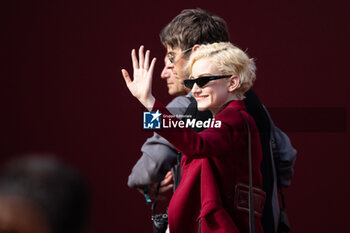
x,y
251,199
154,204
160,221
177,170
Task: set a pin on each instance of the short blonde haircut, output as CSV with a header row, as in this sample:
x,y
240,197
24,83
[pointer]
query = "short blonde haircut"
x,y
229,60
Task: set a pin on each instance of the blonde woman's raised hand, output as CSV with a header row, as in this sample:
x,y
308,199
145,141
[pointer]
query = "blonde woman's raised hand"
x,y
141,85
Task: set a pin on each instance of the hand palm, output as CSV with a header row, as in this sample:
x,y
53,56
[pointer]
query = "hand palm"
x,y
141,86
142,83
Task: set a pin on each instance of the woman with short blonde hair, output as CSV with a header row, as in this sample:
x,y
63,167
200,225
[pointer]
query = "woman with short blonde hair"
x,y
229,59
212,195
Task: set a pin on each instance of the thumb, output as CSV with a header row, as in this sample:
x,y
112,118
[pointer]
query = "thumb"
x,y
126,76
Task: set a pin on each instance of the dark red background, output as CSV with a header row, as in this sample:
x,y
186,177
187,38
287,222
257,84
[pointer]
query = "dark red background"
x,y
62,92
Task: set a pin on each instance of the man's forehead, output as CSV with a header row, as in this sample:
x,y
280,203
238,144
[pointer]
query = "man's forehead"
x,y
169,49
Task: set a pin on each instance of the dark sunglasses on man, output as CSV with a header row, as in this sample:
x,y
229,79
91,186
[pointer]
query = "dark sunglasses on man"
x,y
202,81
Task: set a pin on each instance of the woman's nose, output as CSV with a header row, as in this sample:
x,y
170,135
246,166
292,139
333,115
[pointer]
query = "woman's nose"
x,y
196,88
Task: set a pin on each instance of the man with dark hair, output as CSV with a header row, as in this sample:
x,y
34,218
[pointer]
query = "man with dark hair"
x,y
182,36
42,195
191,27
194,26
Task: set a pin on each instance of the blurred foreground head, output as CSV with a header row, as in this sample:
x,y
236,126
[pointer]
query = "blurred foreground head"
x,y
42,195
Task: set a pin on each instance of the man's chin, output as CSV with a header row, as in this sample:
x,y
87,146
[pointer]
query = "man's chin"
x,y
177,92
171,92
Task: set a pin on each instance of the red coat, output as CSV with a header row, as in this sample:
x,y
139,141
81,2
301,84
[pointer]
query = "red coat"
x,y
214,161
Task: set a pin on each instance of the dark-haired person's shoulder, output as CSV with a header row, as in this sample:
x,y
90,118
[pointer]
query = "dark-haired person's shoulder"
x,y
179,104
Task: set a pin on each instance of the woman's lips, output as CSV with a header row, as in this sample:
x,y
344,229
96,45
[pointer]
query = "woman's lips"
x,y
199,98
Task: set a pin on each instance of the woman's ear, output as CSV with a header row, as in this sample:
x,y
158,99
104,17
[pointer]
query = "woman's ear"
x,y
233,83
195,47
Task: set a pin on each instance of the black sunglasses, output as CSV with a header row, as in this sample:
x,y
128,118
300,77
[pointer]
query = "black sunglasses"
x,y
201,81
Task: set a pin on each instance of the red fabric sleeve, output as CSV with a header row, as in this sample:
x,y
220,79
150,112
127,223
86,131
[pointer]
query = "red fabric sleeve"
x,y
209,143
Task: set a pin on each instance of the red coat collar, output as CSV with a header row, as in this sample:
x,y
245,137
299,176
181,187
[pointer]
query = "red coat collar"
x,y
236,104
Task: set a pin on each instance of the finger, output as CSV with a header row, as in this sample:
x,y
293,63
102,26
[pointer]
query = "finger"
x,y
167,180
166,188
168,176
141,56
126,76
151,68
169,173
146,64
135,63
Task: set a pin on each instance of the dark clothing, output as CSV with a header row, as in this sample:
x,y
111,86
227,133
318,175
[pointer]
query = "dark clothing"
x,y
257,111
